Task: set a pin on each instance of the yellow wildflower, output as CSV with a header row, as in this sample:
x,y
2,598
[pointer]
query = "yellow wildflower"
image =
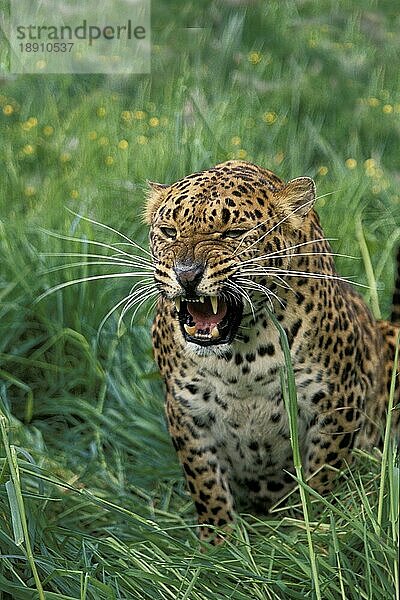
x,y
29,191
351,163
269,117
254,58
370,163
8,110
28,149
127,115
123,144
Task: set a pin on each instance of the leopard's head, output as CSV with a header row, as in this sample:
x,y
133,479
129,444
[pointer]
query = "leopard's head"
x,y
219,238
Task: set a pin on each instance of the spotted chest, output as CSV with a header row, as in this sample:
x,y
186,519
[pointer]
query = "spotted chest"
x,y
234,403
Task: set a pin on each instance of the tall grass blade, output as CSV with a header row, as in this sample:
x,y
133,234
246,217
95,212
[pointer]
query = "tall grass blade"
x,y
289,392
368,269
18,504
15,516
387,438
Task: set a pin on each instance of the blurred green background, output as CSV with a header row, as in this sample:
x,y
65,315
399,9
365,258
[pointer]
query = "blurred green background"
x,y
300,87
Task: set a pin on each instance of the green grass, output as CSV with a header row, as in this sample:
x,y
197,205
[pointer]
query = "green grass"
x,y
92,501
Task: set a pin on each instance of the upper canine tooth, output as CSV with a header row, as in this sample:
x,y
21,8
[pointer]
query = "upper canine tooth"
x,y
201,299
178,303
214,304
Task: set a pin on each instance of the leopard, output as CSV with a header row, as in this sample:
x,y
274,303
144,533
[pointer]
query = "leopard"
x,y
234,246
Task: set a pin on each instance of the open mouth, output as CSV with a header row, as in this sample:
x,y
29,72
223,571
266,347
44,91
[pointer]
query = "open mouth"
x,y
208,320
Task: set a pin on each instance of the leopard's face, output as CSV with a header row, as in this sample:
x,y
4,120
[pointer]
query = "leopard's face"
x,y
218,239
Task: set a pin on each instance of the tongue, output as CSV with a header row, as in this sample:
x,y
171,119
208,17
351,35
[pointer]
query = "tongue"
x,y
203,314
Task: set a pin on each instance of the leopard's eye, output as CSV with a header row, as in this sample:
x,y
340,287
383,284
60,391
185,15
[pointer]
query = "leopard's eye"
x,y
234,233
169,232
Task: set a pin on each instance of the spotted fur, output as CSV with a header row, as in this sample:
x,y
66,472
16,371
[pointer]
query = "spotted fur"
x,y
224,403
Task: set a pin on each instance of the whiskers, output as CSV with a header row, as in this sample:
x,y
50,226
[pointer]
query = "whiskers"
x,y
126,259
250,274
239,293
136,298
250,284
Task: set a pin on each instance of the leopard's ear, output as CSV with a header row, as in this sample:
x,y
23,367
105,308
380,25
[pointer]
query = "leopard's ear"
x,y
156,187
155,196
297,197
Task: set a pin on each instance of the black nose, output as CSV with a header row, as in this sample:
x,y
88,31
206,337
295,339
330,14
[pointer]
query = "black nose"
x,y
189,275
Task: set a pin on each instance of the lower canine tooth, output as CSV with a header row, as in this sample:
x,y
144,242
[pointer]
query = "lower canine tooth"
x,y
190,330
178,303
215,332
214,304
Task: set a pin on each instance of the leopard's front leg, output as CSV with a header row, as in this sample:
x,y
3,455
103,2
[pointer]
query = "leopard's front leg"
x,y
206,478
